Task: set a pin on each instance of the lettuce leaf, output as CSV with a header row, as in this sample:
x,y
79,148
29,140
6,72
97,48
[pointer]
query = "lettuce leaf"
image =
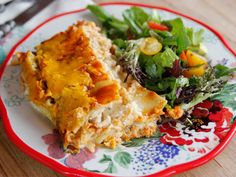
x,y
155,66
178,29
196,37
166,58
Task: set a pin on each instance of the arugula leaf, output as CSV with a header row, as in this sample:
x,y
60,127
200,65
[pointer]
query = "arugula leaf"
x,y
118,24
99,12
135,17
221,70
133,26
178,29
114,27
139,15
107,19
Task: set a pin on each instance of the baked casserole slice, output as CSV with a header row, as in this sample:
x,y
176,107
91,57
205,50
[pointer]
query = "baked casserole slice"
x,y
74,80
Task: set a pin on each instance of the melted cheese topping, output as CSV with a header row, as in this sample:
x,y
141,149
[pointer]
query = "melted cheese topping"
x,y
67,72
74,81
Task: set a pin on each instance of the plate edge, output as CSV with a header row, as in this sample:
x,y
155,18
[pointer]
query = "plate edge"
x,y
74,172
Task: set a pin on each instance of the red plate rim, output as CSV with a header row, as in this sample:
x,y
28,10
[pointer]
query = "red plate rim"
x,y
75,172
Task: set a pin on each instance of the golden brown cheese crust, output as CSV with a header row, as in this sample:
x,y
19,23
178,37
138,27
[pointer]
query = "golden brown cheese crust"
x,y
73,84
66,70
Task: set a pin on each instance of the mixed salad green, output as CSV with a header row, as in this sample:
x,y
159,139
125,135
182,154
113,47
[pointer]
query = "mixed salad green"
x,y
164,55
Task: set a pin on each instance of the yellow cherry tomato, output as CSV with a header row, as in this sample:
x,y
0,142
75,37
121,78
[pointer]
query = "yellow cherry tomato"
x,y
195,59
150,46
198,71
196,63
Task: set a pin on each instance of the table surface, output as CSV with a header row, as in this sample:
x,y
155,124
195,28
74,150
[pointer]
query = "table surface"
x,y
218,14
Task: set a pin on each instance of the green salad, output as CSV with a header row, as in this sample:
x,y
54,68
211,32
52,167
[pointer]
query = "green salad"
x,y
164,56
